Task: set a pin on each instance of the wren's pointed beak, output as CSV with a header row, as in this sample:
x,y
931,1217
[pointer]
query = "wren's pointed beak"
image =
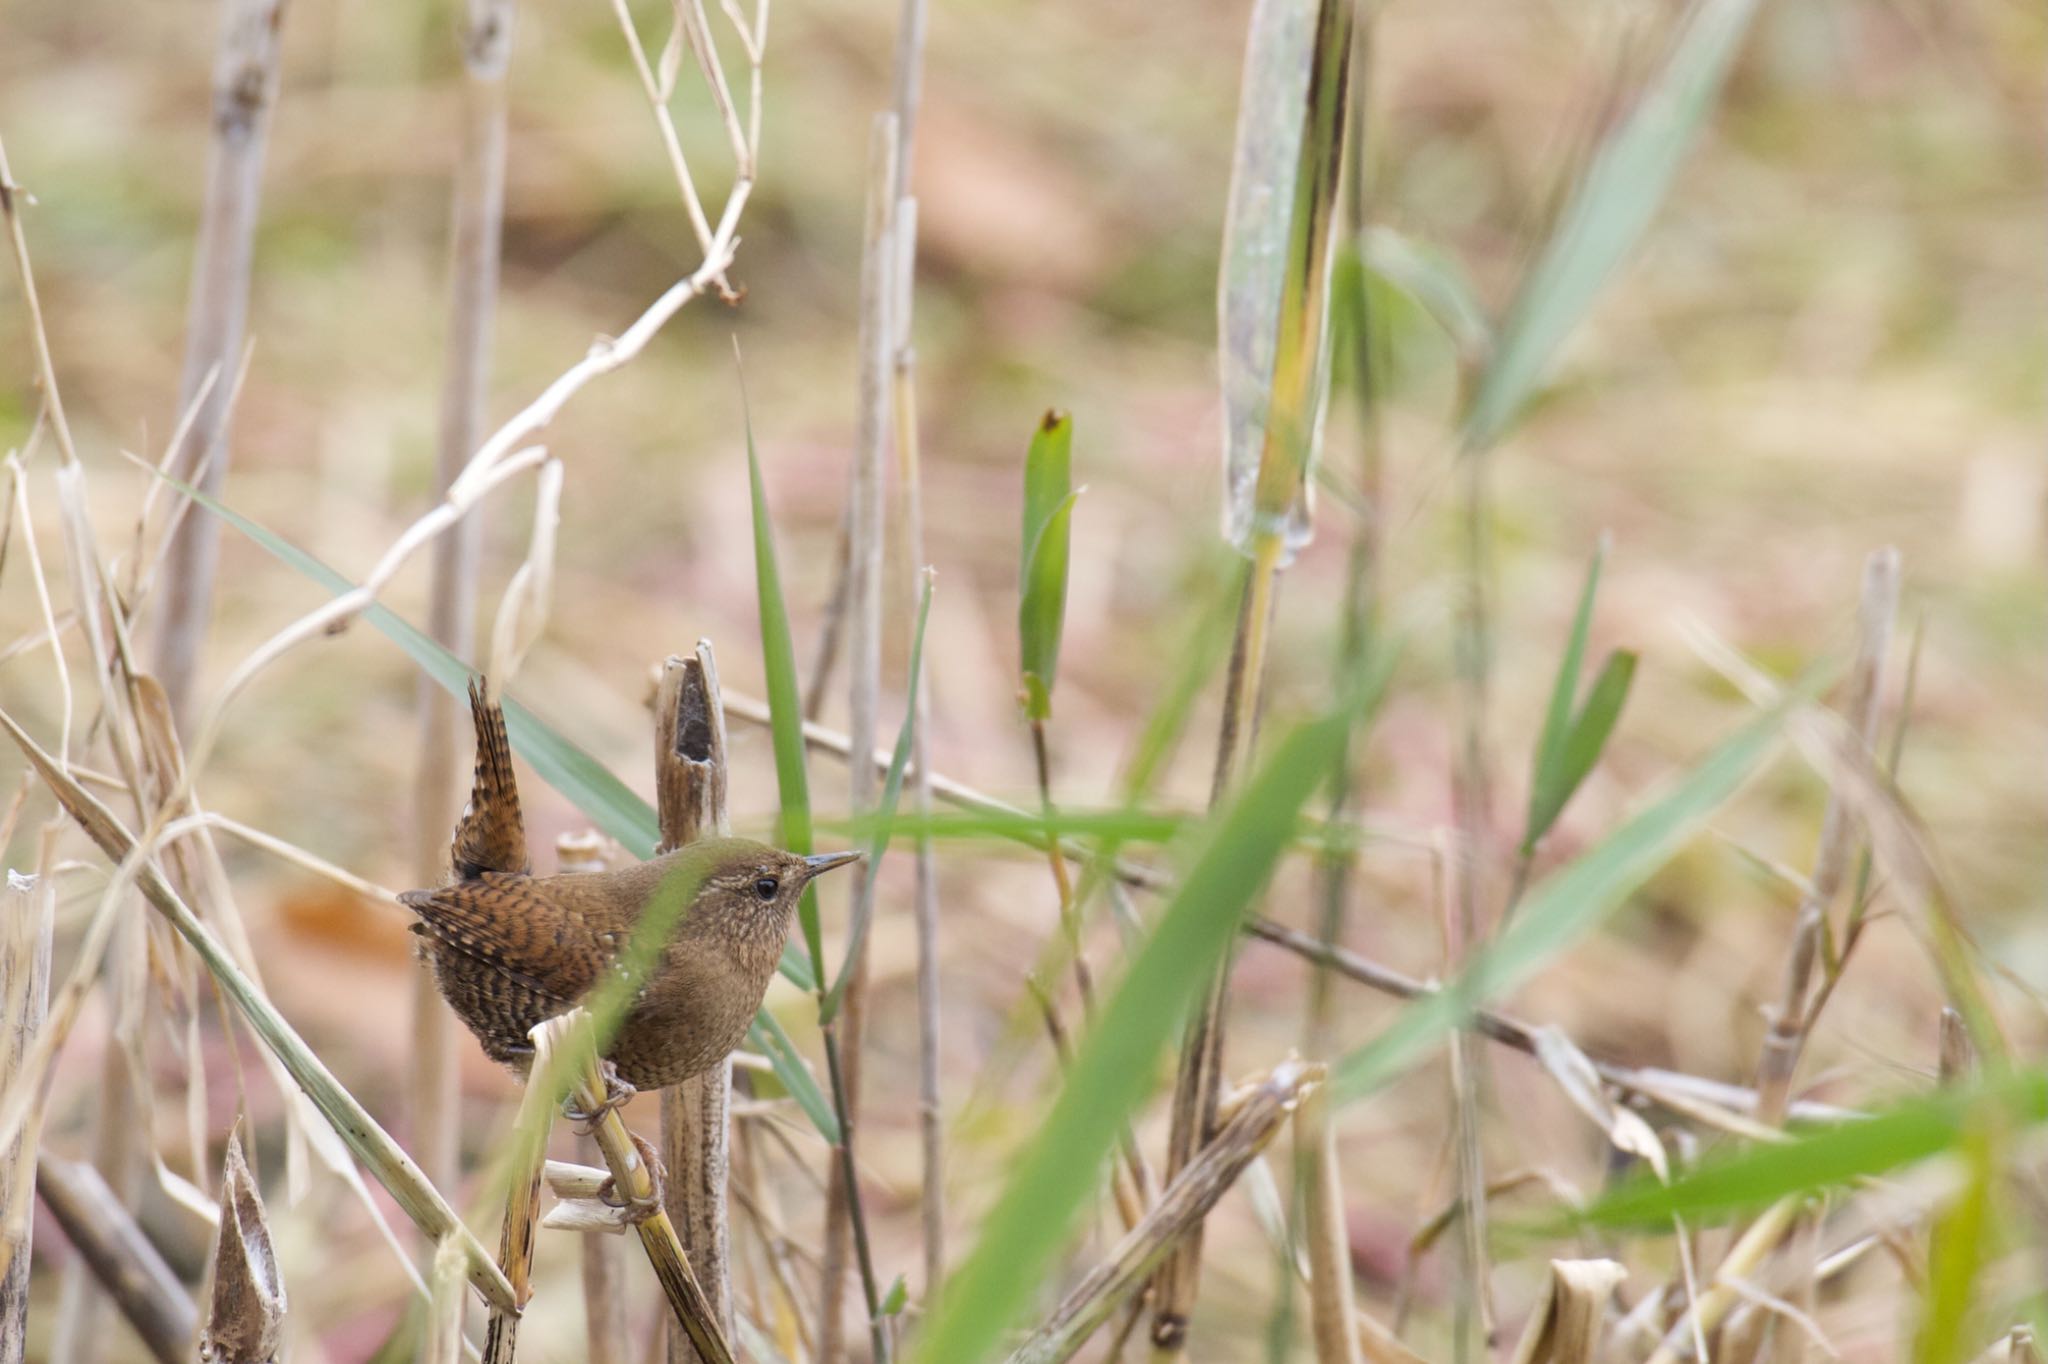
x,y
819,863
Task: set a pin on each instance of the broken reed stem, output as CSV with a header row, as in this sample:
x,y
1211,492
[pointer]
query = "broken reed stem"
x,y
635,1183
1792,1021
245,86
371,1144
602,1255
103,1232
478,215
690,787
1183,1204
864,667
245,1314
27,918
1200,1076
525,1162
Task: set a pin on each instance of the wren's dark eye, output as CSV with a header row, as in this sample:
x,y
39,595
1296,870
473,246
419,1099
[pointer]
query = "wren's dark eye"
x,y
766,887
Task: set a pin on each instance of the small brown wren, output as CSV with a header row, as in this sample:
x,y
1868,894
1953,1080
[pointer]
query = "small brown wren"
x,y
511,949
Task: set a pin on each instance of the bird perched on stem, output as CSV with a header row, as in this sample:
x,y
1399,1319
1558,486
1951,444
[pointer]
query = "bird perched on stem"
x,y
510,949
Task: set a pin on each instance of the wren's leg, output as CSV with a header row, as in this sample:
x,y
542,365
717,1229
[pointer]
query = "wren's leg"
x,y
617,1091
638,1210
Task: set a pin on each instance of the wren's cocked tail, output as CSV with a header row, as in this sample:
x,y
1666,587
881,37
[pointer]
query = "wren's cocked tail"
x,y
510,949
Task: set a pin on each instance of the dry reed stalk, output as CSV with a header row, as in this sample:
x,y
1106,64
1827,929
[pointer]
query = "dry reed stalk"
x,y
756,1195
525,1162
103,1232
245,85
602,1259
635,1183
245,1318
910,29
477,217
1792,1021
27,916
690,784
1183,1204
1198,1083
864,668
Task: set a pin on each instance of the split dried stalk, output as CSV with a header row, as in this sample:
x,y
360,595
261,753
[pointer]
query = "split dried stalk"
x,y
245,85
864,667
1183,1204
478,213
690,784
103,1232
245,1320
27,916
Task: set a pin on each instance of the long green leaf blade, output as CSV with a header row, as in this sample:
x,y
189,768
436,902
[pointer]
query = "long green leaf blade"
x,y
1607,214
1114,1067
766,1036
785,711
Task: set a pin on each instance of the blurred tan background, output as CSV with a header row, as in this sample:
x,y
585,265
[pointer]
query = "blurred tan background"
x,y
1832,340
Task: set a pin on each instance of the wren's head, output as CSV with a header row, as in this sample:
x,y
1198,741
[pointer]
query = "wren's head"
x,y
748,889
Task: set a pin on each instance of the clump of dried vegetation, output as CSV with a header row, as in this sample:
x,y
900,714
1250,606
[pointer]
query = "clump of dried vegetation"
x,y
900,1164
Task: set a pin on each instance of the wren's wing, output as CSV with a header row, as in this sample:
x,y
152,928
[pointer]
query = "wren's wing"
x,y
490,836
539,950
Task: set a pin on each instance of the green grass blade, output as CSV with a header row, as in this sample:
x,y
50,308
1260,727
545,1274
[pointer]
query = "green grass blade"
x,y
1557,719
1823,1158
1042,607
885,814
765,1035
1115,1065
1569,904
785,710
1608,212
1583,743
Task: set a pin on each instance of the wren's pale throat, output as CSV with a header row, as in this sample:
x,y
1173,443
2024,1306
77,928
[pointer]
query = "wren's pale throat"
x,y
510,949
